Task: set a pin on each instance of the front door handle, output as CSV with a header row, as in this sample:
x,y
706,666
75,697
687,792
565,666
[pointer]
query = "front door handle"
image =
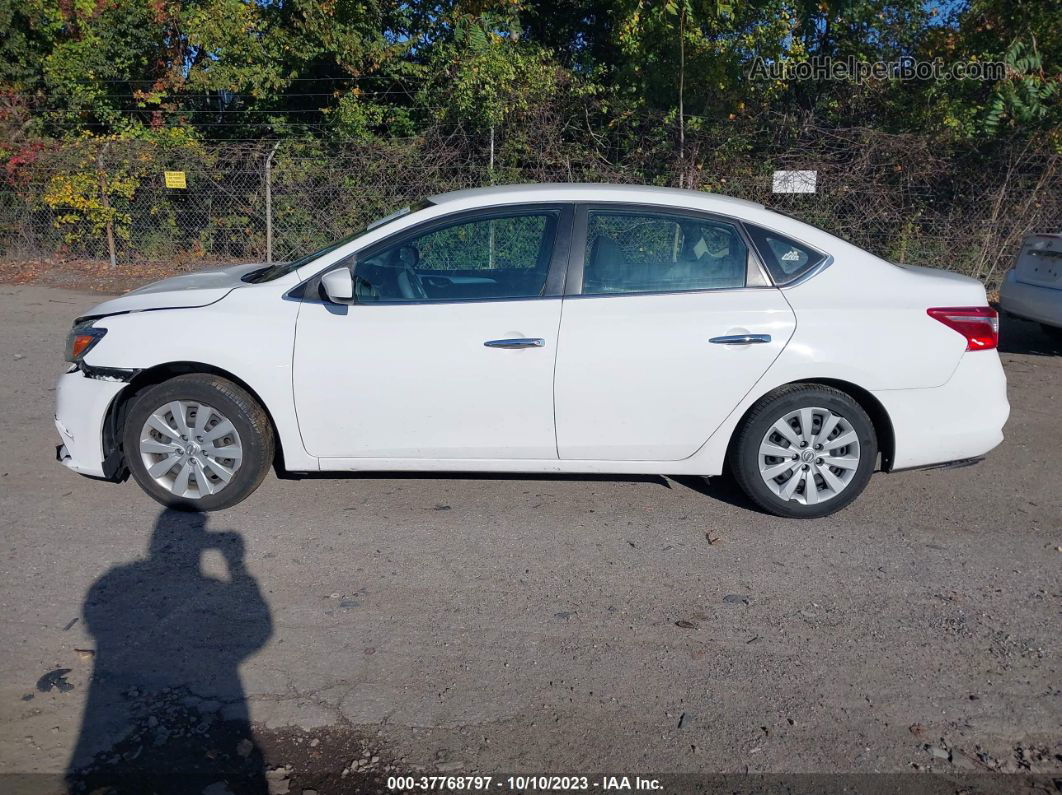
x,y
741,339
519,342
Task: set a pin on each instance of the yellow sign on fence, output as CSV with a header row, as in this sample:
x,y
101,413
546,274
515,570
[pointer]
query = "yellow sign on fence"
x,y
175,179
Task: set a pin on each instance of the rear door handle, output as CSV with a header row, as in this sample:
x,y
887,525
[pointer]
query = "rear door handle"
x,y
741,339
519,342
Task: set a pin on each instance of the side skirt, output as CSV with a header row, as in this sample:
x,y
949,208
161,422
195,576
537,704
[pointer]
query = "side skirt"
x,y
690,466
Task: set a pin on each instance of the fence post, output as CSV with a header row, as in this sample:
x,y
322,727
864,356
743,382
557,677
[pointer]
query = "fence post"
x,y
269,203
106,204
490,168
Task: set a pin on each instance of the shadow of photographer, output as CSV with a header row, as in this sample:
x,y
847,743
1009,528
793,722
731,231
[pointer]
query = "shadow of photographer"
x,y
166,710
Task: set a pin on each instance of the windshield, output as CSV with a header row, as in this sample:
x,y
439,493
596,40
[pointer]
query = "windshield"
x,y
283,268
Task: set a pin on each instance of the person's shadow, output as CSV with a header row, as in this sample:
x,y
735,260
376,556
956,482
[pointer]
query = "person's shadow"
x,y
166,711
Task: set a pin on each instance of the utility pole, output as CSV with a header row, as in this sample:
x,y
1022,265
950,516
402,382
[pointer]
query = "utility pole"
x,y
269,203
106,202
682,91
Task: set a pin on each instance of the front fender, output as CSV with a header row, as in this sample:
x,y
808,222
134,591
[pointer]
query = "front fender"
x,y
249,336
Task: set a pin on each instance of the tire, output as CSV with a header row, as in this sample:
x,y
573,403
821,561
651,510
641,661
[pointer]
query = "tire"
x,y
1053,332
243,448
833,486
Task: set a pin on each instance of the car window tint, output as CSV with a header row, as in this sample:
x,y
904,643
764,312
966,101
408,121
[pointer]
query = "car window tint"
x,y
660,252
785,258
504,256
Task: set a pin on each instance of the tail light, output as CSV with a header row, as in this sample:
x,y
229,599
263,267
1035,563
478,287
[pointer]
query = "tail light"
x,y
979,324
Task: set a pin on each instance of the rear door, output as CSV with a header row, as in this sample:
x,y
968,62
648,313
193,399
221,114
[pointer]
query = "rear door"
x,y
662,332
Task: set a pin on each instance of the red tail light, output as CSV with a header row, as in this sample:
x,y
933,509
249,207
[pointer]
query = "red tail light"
x,y
979,324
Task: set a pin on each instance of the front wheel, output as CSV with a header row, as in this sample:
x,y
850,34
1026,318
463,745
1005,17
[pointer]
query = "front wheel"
x,y
805,451
197,442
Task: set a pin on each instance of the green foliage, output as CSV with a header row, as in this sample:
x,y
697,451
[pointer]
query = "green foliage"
x,y
380,69
1026,96
91,194
486,72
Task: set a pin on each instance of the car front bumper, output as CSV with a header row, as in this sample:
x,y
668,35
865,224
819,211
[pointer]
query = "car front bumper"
x,y
81,410
1042,304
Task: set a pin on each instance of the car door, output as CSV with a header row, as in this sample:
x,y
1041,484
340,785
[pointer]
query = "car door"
x,y
663,332
448,352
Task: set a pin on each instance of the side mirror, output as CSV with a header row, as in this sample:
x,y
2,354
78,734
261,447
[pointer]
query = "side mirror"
x,y
338,286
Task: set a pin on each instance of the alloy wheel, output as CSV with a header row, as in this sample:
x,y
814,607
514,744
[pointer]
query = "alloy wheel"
x,y
190,449
809,456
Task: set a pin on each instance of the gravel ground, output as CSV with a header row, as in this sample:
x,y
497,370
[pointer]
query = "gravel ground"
x,y
621,626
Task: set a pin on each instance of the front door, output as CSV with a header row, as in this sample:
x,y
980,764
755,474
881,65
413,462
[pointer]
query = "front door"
x,y
665,337
448,353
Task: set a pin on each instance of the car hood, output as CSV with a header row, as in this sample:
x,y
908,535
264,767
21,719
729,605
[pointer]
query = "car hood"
x,y
188,290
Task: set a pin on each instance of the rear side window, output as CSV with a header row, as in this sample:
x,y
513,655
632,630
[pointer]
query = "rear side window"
x,y
786,259
649,252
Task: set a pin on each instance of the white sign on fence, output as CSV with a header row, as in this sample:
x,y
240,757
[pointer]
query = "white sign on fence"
x,y
795,181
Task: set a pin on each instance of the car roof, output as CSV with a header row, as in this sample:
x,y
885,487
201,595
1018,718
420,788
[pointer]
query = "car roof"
x,y
590,192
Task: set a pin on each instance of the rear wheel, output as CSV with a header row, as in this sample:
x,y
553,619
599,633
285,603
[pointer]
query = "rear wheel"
x,y
805,451
197,442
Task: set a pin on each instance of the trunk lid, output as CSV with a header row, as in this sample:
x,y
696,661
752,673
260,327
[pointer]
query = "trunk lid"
x,y
1040,261
936,287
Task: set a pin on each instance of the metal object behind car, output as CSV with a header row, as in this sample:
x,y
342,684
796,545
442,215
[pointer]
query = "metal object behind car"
x,y
1032,289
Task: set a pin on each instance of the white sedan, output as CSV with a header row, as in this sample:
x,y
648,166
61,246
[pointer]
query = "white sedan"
x,y
543,328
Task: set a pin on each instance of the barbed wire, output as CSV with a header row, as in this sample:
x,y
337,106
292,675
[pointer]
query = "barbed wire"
x,y
893,195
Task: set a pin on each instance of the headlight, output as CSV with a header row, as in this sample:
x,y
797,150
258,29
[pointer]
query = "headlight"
x,y
81,340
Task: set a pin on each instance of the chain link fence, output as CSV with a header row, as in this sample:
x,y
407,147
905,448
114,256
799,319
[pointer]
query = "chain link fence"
x,y
257,201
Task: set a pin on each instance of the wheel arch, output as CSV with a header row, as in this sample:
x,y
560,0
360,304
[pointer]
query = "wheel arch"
x,y
159,373
871,405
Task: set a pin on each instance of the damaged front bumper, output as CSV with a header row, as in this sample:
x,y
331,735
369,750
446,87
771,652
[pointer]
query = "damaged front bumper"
x,y
82,411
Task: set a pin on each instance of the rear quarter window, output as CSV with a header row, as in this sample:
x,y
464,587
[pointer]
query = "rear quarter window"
x,y
785,258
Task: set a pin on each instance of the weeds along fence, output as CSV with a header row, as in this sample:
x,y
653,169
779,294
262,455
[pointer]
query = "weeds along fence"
x,y
257,201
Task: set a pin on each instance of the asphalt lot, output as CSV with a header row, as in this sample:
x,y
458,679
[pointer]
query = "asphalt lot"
x,y
528,624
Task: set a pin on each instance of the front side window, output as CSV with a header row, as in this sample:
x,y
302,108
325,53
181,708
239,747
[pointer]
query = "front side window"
x,y
647,252
503,256
785,259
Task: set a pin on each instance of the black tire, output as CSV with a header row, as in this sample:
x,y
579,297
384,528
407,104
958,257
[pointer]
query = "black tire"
x,y
1053,332
243,411
744,450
